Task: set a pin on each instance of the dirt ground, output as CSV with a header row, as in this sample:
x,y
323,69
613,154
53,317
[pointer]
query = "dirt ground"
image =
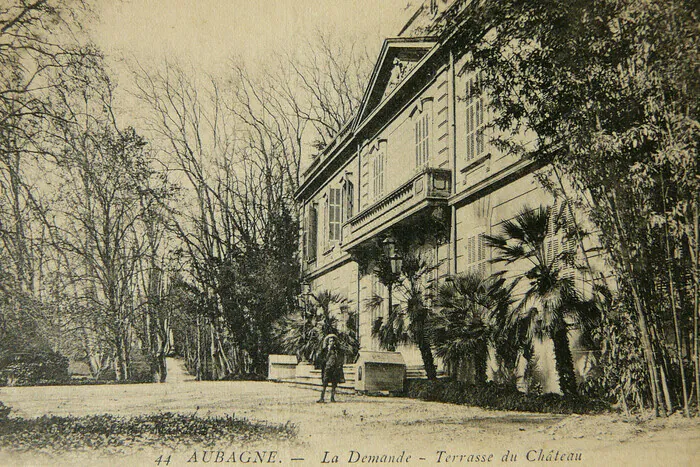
x,y
361,429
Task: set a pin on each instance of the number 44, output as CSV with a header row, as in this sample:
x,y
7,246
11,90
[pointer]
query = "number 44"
x,y
165,461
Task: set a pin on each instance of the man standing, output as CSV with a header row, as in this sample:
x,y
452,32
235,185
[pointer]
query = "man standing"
x,y
331,365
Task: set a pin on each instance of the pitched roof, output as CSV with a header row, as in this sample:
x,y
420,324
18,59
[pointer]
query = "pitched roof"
x,y
397,59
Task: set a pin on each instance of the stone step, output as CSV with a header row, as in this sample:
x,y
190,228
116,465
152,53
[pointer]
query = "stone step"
x,y
316,382
342,389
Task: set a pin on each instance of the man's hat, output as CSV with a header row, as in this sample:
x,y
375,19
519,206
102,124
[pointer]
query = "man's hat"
x,y
327,338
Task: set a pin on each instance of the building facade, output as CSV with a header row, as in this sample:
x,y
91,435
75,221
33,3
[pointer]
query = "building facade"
x,y
416,162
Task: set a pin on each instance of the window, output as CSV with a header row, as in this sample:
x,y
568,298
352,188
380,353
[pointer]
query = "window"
x,y
334,214
559,243
324,222
312,225
476,255
475,118
422,133
349,199
378,174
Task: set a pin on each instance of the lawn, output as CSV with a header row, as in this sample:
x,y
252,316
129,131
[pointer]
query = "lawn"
x,y
55,434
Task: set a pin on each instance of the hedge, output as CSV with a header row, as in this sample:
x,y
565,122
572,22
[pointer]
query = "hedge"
x,y
500,397
32,367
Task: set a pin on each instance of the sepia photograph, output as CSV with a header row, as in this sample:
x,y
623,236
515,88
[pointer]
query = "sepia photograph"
x,y
349,232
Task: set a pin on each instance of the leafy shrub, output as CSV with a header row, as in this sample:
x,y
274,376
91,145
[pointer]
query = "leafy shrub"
x,y
620,376
501,397
32,367
53,433
4,412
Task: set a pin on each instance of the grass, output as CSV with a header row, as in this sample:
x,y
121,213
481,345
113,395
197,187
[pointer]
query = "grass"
x,y
501,397
111,433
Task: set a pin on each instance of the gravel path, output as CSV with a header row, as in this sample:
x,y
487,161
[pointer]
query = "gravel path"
x,y
372,426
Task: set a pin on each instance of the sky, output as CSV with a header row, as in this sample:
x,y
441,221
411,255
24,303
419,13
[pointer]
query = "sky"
x,y
205,34
208,32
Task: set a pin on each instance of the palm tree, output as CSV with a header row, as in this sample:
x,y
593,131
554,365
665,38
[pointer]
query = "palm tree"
x,y
550,302
407,324
461,324
302,333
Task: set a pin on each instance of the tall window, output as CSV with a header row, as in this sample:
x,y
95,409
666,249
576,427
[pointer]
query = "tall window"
x,y
559,242
312,225
334,214
422,134
476,254
324,223
475,118
349,199
378,174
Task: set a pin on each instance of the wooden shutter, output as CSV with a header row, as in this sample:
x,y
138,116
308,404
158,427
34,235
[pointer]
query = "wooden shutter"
x,y
312,233
348,199
334,213
482,254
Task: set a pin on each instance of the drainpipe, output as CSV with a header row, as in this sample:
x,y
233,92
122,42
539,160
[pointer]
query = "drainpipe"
x,y
358,196
453,125
359,276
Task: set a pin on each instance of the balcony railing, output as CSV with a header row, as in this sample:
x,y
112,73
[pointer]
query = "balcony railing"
x,y
429,187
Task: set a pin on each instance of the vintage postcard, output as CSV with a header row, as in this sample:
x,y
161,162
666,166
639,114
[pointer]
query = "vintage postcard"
x,y
351,232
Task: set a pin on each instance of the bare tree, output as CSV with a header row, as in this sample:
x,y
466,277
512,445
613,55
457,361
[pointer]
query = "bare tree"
x,y
37,39
329,76
236,145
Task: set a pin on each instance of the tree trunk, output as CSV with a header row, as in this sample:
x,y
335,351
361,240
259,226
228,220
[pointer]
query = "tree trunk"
x,y
696,309
198,361
480,363
563,361
647,348
426,354
163,367
674,306
121,363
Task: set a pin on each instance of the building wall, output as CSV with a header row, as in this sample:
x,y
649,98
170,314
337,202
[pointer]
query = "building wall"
x,y
342,281
397,142
485,215
328,251
459,140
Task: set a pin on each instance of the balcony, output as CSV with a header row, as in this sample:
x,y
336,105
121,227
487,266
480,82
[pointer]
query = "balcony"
x,y
431,187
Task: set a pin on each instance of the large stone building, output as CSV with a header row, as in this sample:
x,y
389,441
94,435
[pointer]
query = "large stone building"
x,y
415,162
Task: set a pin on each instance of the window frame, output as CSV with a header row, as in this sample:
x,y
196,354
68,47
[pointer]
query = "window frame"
x,y
476,116
377,170
556,242
477,254
334,211
422,123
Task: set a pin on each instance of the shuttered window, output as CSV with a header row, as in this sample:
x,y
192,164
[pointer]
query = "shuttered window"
x,y
349,199
477,255
334,214
311,233
475,119
558,240
378,174
422,135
